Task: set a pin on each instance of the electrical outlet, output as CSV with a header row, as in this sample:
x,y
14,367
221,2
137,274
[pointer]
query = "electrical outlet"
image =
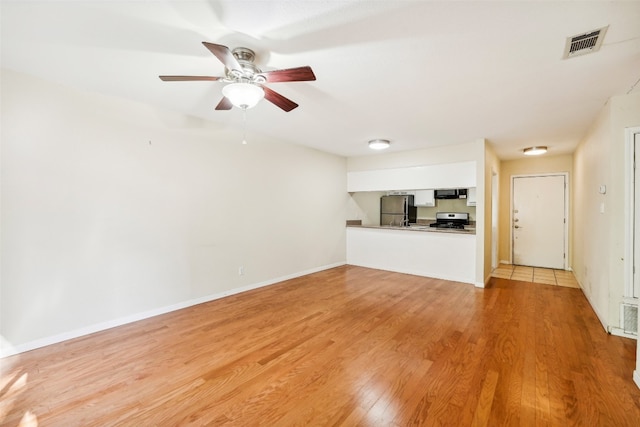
x,y
241,271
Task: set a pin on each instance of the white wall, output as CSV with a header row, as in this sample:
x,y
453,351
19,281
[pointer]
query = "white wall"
x,y
598,238
625,112
112,210
430,156
591,228
365,206
491,167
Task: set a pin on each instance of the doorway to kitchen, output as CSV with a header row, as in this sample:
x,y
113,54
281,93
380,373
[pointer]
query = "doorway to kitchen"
x,y
539,220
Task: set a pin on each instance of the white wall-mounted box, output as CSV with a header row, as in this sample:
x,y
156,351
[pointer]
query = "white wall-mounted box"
x,y
424,198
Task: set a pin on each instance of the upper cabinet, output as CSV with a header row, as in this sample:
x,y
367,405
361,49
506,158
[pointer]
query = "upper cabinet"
x,y
448,175
471,196
424,198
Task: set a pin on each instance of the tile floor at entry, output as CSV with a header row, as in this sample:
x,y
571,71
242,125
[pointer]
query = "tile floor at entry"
x,y
546,276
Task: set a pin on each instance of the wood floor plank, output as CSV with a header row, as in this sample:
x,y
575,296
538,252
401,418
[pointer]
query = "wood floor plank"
x,y
481,414
342,347
543,332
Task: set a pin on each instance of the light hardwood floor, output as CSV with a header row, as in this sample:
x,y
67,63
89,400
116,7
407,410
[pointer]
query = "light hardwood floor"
x,y
343,347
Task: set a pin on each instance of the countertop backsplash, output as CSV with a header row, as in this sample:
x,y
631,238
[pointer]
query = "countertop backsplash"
x,y
365,206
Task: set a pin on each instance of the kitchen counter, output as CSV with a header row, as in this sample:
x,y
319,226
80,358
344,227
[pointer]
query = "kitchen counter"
x,y
420,228
423,251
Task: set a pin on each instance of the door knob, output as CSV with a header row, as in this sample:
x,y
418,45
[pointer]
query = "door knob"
x,y
516,226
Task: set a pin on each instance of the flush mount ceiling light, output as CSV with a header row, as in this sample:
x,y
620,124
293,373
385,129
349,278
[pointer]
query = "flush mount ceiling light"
x,y
379,144
243,95
535,151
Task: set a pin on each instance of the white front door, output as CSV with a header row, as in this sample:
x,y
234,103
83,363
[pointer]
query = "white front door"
x,y
538,221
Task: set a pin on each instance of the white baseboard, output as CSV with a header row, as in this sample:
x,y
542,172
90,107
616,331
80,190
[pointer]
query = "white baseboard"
x,y
621,333
450,278
486,282
593,307
636,377
6,349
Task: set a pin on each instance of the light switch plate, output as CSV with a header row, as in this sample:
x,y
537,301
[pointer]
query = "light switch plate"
x,y
603,189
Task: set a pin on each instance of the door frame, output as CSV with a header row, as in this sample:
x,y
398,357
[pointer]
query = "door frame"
x,y
495,218
566,212
629,212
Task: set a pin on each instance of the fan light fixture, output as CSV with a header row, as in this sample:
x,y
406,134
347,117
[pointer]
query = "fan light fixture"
x,y
379,144
243,95
534,151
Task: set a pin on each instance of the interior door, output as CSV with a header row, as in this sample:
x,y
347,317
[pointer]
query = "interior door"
x,y
538,221
636,250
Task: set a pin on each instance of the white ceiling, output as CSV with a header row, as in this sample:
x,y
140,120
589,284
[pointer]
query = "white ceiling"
x,y
420,73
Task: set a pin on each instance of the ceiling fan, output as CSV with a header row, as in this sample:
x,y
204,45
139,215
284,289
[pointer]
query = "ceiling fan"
x,y
246,81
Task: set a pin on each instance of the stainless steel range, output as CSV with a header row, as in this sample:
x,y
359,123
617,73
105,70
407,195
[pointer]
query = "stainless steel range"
x,y
455,220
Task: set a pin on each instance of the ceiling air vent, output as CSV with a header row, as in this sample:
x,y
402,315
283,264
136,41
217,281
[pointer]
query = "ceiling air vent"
x,y
584,43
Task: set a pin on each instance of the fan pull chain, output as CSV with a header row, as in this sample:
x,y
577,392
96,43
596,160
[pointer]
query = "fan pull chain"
x,y
244,126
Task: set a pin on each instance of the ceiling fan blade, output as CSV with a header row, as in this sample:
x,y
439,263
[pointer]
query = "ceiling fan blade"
x,y
224,104
187,78
224,55
299,74
275,98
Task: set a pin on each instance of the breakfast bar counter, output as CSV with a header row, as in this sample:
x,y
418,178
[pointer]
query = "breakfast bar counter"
x,y
419,250
420,227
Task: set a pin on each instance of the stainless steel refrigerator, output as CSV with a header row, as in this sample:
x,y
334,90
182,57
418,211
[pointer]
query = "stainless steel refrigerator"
x,y
397,211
